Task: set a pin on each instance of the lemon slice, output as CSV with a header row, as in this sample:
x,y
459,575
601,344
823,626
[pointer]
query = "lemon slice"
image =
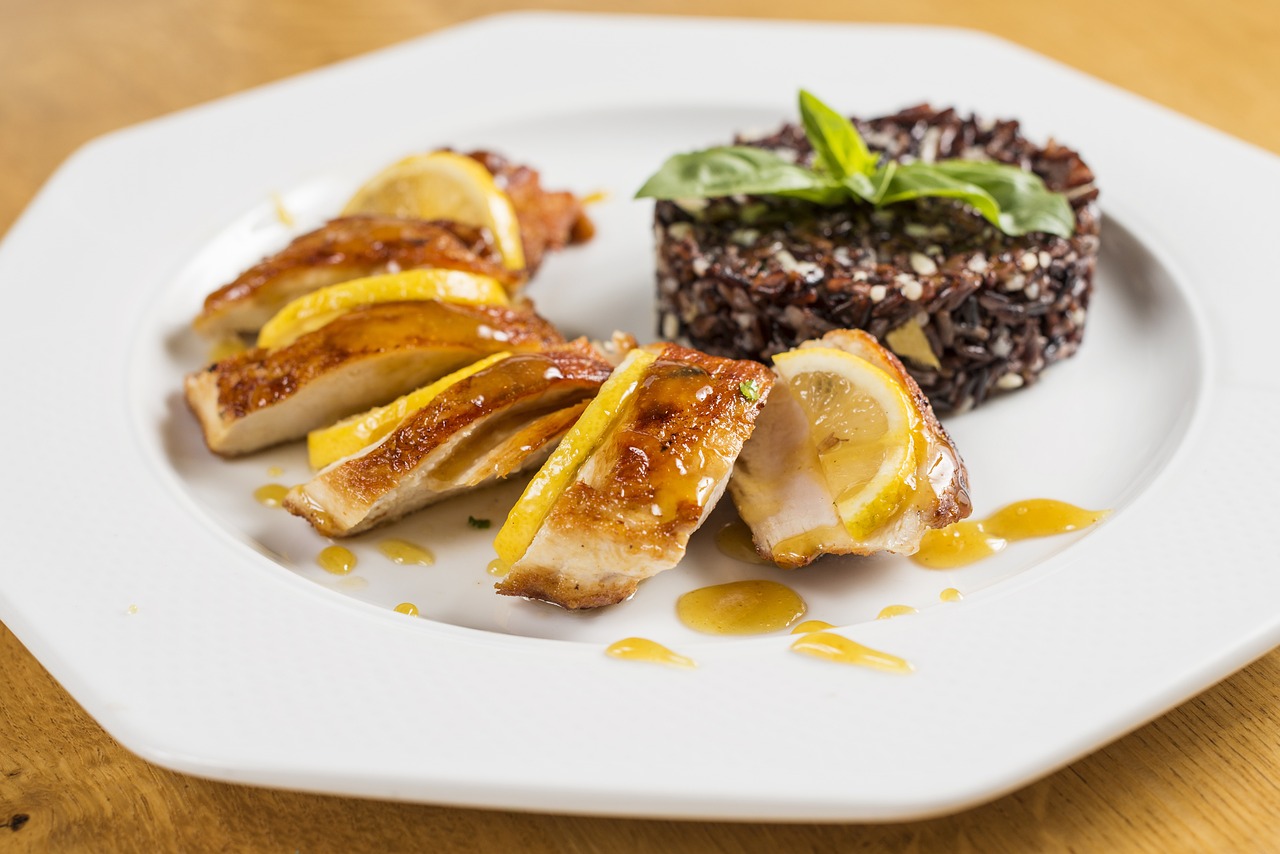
x,y
562,466
349,435
862,426
310,312
444,185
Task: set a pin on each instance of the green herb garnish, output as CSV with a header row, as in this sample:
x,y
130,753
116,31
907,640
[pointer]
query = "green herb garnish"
x,y
482,524
750,390
1014,200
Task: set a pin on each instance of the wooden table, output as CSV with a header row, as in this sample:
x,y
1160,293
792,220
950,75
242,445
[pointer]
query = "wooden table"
x,y
1203,777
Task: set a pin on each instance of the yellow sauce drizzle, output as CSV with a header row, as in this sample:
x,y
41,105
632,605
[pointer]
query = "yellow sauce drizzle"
x,y
595,198
891,611
740,608
813,541
972,540
643,649
407,608
951,595
734,540
337,560
403,552
833,647
274,471
811,626
497,568
271,495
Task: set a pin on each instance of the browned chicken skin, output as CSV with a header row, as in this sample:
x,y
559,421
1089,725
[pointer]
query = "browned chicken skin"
x,y
364,358
342,249
489,425
630,510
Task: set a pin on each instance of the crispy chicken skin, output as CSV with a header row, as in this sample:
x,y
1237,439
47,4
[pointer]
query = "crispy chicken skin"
x,y
631,508
342,249
549,220
782,494
489,425
364,358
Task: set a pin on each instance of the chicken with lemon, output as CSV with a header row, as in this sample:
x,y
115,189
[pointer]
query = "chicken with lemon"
x,y
619,498
482,423
848,458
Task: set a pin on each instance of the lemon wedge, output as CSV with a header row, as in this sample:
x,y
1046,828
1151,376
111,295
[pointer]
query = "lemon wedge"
x,y
444,185
562,466
862,427
310,312
349,435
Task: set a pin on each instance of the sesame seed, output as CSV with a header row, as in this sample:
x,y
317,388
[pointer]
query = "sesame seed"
x,y
877,293
1028,262
1045,258
701,266
670,326
912,289
1016,282
680,231
923,264
1009,381
978,263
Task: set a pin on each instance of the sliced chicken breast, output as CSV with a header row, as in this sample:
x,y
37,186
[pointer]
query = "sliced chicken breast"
x,y
489,425
343,249
647,485
364,358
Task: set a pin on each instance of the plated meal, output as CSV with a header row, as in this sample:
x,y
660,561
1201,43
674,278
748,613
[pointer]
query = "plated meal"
x,y
884,268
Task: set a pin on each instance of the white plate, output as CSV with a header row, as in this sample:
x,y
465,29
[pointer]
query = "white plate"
x,y
193,624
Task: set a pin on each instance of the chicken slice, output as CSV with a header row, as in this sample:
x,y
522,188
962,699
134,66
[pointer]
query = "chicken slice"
x,y
342,249
364,358
489,425
549,220
647,485
782,494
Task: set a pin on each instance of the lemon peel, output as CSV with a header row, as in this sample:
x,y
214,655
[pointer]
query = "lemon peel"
x,y
311,311
329,444
444,185
562,466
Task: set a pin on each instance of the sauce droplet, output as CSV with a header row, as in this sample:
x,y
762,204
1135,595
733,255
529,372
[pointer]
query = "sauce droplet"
x,y
497,568
891,611
132,609
271,495
403,552
833,647
812,626
643,649
274,471
972,540
337,560
407,608
951,595
734,540
740,608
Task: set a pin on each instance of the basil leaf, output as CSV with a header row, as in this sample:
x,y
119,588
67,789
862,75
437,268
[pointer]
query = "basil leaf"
x,y
1026,204
921,180
728,171
839,148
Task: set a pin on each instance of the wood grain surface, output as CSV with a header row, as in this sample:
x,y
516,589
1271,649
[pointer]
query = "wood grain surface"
x,y
1202,778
